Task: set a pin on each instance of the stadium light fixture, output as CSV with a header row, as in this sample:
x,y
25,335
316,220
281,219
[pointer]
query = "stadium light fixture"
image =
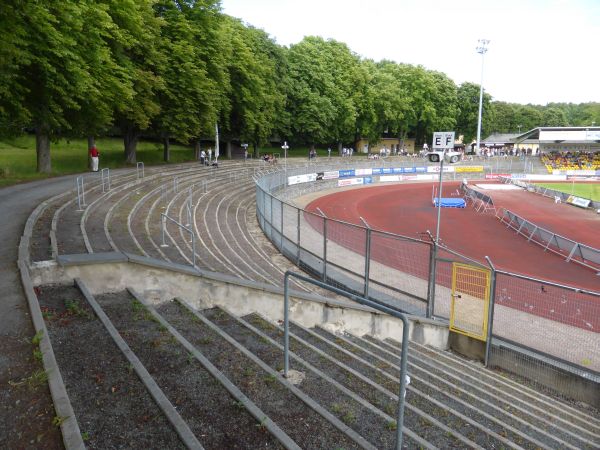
x,y
481,49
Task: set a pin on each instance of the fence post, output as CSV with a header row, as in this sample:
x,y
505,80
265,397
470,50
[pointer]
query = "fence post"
x,y
488,342
432,274
324,244
367,258
298,237
271,220
281,225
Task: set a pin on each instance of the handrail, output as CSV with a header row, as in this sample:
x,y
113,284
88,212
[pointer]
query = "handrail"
x,y
362,301
163,219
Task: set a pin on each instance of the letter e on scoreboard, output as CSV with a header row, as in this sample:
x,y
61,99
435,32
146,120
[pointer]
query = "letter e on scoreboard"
x,y
443,139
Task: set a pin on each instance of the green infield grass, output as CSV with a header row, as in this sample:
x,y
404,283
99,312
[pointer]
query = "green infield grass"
x,y
583,190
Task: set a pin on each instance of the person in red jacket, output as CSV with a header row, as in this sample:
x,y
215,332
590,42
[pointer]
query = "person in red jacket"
x,y
94,153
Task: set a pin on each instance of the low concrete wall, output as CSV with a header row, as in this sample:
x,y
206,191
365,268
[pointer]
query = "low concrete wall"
x,y
159,282
564,381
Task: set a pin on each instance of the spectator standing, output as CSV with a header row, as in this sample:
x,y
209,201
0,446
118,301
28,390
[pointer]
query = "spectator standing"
x,y
202,157
95,155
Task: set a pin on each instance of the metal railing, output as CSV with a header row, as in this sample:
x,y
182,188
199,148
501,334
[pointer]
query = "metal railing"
x,y
163,222
414,275
80,193
362,301
139,170
105,179
572,251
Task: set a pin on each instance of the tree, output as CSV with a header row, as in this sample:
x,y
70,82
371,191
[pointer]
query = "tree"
x,y
187,97
322,102
138,53
49,73
468,110
256,96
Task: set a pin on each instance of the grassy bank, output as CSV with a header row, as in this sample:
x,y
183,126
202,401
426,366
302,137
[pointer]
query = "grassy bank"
x,y
18,157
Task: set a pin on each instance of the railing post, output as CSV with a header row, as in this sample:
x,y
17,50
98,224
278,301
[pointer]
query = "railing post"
x,y
105,177
286,324
139,167
163,220
193,247
80,193
488,342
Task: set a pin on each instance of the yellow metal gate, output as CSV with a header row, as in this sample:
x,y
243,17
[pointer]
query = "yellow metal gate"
x,y
470,300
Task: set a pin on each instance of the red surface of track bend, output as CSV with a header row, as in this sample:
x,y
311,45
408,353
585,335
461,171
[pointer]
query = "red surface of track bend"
x,y
407,209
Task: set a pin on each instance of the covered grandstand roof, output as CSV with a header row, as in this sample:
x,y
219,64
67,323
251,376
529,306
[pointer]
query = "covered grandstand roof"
x,y
558,135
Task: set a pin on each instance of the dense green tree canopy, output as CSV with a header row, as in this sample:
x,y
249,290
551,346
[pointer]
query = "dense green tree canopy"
x,y
173,68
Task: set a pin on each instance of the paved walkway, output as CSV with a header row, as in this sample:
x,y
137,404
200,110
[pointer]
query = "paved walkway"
x,y
17,203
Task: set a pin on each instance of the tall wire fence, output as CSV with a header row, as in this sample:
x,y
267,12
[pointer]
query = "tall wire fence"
x,y
553,326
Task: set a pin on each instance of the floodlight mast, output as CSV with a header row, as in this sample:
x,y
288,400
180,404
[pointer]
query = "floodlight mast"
x,y
481,49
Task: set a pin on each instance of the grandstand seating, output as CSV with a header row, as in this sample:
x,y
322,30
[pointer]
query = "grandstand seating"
x,y
571,161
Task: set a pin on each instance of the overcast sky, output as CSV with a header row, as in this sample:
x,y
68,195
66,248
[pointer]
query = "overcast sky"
x,y
540,51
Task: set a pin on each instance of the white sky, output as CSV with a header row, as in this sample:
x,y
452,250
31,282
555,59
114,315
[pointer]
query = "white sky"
x,y
540,51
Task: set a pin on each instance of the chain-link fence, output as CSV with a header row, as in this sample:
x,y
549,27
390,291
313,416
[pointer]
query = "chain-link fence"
x,y
552,325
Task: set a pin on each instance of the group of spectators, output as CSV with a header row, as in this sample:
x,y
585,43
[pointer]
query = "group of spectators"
x,y
571,160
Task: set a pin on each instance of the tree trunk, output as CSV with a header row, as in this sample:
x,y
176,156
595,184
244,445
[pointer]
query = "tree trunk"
x,y
228,149
255,150
91,142
197,150
166,149
130,138
340,146
42,148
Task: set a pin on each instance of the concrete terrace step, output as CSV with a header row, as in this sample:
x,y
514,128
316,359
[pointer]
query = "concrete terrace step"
x,y
508,405
112,406
296,414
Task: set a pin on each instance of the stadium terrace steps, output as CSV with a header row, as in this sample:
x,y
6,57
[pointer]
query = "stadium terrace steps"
x,y
222,374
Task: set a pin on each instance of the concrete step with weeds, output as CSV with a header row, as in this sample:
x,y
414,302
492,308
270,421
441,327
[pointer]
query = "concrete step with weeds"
x,y
112,406
375,426
421,416
579,414
540,418
293,412
216,419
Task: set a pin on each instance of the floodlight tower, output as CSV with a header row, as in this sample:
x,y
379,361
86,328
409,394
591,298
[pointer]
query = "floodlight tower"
x,y
481,49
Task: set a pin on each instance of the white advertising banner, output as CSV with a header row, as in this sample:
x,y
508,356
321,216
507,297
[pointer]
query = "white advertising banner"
x,y
331,175
350,182
436,169
305,178
388,178
361,172
577,201
426,177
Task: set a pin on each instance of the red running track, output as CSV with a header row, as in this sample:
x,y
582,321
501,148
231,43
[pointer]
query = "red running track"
x,y
407,209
